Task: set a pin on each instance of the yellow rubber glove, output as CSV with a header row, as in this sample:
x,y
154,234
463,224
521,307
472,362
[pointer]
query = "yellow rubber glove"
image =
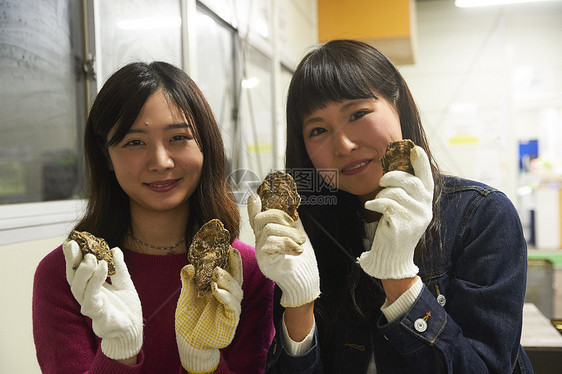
x,y
208,323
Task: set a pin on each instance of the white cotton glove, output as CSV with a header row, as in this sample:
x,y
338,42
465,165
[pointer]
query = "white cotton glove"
x,y
208,323
406,207
284,254
115,308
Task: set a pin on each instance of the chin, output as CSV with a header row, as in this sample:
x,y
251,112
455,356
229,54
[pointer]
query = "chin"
x,y
172,204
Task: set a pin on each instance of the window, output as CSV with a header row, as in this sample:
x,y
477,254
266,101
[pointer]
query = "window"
x,y
216,64
55,56
135,30
41,101
256,140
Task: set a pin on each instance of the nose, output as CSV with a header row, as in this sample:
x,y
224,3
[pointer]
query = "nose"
x,y
160,159
344,143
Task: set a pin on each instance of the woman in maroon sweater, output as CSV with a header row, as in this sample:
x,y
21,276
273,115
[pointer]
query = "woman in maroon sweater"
x,y
156,173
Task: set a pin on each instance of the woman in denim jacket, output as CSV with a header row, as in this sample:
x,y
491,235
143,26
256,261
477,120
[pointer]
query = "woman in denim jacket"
x,y
416,273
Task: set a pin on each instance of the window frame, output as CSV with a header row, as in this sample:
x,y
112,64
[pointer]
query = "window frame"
x,y
32,221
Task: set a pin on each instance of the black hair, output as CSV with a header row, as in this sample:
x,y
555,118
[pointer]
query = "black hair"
x,y
336,71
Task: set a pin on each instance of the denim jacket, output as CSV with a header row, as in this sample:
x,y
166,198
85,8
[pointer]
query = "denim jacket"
x,y
468,317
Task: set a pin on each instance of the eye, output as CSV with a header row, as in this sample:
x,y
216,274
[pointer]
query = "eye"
x,y
179,138
187,135
316,131
183,133
358,114
133,143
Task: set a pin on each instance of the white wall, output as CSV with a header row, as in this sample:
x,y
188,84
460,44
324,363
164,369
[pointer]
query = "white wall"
x,y
484,79
17,267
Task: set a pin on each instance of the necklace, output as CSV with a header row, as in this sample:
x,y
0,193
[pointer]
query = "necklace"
x,y
170,248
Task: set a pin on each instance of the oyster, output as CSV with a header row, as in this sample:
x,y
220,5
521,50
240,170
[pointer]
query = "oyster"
x,y
397,156
89,243
210,248
279,191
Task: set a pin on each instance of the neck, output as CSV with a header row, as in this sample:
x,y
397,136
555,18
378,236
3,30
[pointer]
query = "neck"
x,y
370,216
160,229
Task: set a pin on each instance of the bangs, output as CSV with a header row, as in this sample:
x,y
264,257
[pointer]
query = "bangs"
x,y
327,78
125,121
189,110
126,103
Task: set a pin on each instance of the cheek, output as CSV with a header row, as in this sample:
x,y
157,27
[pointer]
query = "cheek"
x,y
193,162
123,173
121,164
394,127
127,170
319,155
322,162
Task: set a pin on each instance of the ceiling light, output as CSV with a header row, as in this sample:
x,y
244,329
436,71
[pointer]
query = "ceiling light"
x,y
250,82
479,3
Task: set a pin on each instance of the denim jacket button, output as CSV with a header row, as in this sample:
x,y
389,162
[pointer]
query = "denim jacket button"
x,y
441,299
420,325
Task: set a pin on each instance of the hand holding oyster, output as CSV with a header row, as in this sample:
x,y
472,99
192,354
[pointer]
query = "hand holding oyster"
x,y
89,243
397,156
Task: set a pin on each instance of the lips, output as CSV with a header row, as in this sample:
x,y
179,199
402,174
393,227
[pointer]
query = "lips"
x,y
162,186
355,167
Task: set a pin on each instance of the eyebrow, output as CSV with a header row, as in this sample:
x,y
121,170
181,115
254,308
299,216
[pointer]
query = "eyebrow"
x,y
172,126
311,120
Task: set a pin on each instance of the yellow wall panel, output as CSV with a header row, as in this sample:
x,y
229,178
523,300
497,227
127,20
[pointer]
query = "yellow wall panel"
x,y
388,25
363,19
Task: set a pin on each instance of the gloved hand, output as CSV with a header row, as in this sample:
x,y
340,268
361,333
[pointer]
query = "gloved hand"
x,y
406,207
206,324
115,308
284,254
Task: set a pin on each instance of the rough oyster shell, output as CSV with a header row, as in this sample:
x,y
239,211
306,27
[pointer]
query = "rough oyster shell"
x,y
279,191
397,156
89,243
209,249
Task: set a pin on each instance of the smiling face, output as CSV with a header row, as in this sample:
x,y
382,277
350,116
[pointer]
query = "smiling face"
x,y
158,163
351,137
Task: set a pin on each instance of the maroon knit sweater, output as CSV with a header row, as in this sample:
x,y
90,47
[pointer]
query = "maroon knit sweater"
x,y
66,343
